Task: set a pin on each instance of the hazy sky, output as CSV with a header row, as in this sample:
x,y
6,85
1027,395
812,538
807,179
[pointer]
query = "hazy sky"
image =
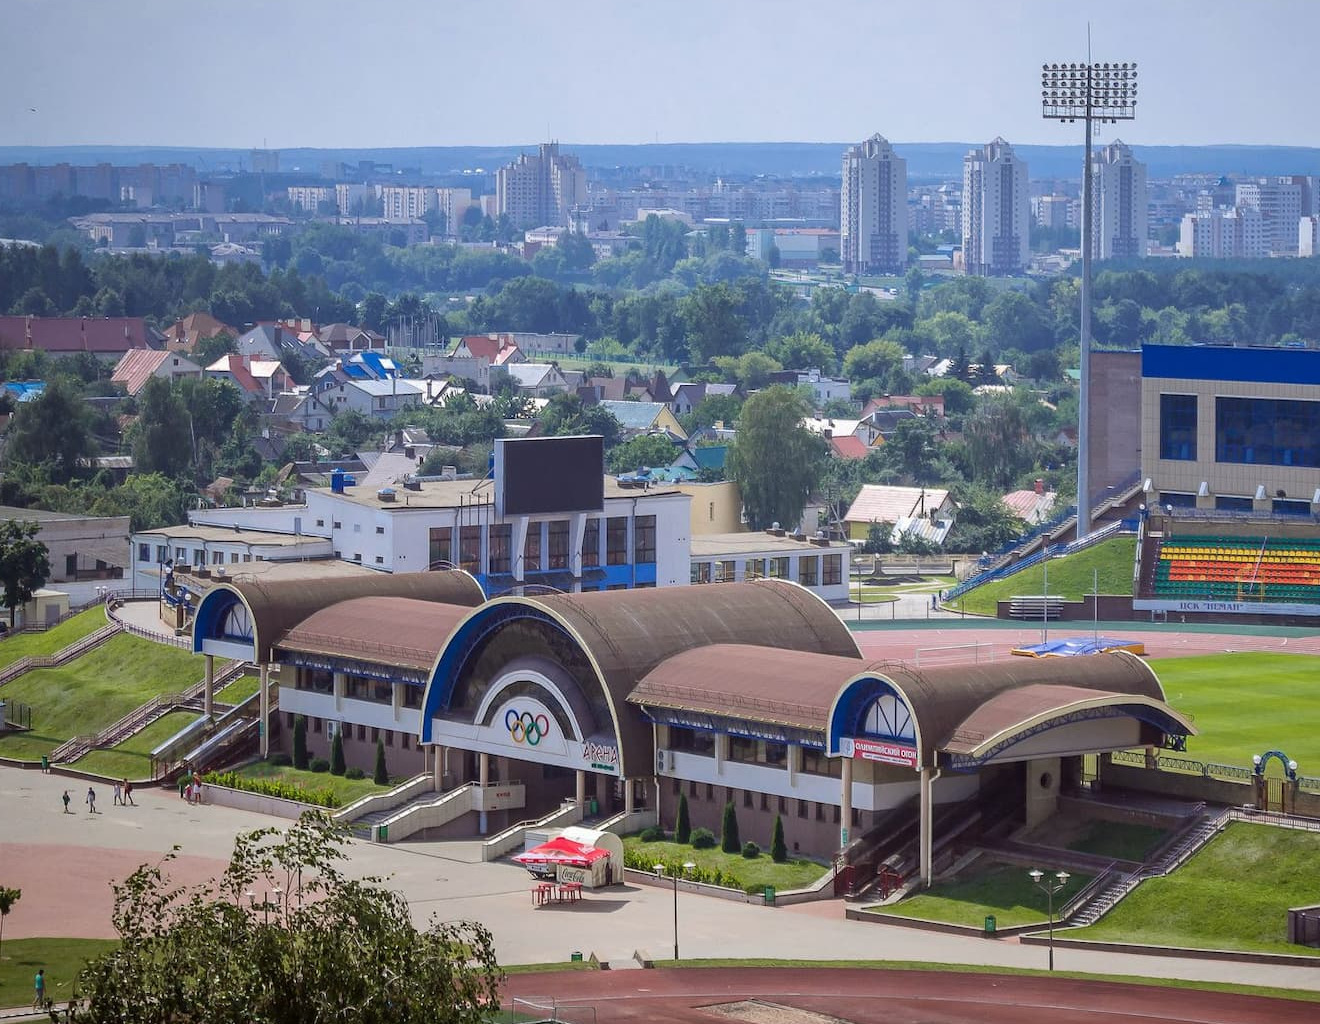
x,y
347,73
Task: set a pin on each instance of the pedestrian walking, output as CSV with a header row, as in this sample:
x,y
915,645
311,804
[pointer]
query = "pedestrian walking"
x,y
39,983
91,800
128,794
66,802
118,800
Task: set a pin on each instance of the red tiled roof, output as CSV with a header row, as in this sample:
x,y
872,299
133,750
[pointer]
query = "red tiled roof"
x,y
848,447
135,368
236,366
65,335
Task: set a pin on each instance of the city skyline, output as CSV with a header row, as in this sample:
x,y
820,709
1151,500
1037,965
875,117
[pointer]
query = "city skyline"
x,y
741,71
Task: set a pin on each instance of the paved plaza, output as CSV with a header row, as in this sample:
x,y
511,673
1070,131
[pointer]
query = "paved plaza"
x,y
65,863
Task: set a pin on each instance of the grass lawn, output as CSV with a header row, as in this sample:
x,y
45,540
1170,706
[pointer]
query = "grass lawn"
x,y
1246,704
62,959
239,690
758,871
26,645
131,759
986,887
347,790
1119,840
1070,577
94,691
1234,894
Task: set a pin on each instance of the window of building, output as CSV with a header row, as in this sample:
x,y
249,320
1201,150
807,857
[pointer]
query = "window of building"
x,y
710,791
532,548
336,525
361,732
1290,507
501,544
357,557
742,749
726,571
820,812
403,740
1267,431
856,817
692,741
558,544
199,556
1178,427
644,539
808,570
778,569
692,790
1228,502
357,527
774,754
783,805
320,522
412,696
316,726
375,734
469,548
803,809
832,574
837,815
247,558
439,543
754,569
1178,499
389,737
162,553
233,557
814,762
616,540
591,543
747,798
144,552
765,801
380,530
701,572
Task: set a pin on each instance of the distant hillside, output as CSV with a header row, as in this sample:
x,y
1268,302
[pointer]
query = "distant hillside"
x,y
781,159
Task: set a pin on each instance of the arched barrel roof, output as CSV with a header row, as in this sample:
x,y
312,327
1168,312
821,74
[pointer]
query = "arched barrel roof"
x,y
398,631
276,606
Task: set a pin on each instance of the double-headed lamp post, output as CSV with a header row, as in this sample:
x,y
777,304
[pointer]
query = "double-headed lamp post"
x,y
660,873
1092,93
1051,884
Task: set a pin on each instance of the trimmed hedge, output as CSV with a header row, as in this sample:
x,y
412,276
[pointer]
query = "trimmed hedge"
x,y
274,787
705,876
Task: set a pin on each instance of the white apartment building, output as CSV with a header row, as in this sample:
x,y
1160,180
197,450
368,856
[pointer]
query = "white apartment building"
x,y
310,197
540,189
1281,203
349,197
407,202
873,235
1118,203
1055,211
995,211
1223,234
453,204
1308,236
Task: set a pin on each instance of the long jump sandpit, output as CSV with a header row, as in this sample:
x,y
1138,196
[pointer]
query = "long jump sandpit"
x,y
828,995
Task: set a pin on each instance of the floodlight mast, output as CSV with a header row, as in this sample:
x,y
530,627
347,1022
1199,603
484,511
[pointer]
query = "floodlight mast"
x,y
1095,93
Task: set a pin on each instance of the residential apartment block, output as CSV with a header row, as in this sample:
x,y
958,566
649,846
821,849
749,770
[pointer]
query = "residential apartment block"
x,y
540,189
1281,203
1224,234
1118,203
873,228
995,211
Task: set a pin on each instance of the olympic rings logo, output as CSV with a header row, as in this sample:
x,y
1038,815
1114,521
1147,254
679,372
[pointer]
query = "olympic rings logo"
x,y
525,727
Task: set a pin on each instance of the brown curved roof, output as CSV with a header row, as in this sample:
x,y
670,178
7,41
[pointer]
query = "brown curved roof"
x,y
279,605
942,698
398,631
792,688
629,632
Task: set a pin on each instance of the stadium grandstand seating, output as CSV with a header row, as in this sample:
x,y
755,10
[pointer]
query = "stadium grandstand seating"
x,y
1225,568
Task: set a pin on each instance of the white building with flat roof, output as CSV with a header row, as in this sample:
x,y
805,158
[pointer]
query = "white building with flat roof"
x,y
995,211
1118,203
873,226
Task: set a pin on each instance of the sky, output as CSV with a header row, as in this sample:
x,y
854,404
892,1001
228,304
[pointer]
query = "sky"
x,y
343,73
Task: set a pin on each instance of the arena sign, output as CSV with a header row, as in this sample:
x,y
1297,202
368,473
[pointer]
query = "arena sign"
x,y
1227,607
885,751
526,729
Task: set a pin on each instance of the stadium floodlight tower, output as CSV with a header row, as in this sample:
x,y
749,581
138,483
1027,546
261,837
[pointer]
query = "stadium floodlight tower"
x,y
1092,93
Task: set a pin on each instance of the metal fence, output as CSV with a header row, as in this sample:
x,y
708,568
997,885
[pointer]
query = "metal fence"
x,y
1211,770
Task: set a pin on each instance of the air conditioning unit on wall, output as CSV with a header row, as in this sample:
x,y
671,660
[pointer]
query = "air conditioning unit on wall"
x,y
664,761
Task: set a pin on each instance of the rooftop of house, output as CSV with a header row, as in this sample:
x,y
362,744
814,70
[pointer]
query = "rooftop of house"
x,y
715,545
882,503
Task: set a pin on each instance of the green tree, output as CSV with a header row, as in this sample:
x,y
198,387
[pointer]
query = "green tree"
x,y
983,522
875,360
1000,446
774,459
804,350
714,328
213,347
337,764
24,563
778,848
8,897
381,775
644,450
329,944
729,840
54,431
682,822
162,435
300,759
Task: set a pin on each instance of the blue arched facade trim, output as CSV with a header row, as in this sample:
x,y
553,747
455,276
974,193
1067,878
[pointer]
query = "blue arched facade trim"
x,y
849,709
210,617
459,647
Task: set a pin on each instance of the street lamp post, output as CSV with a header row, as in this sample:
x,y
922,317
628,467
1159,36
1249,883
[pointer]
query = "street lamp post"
x,y
1093,93
660,873
1050,886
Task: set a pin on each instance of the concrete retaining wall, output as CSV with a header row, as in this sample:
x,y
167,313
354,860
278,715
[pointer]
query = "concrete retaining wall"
x,y
223,796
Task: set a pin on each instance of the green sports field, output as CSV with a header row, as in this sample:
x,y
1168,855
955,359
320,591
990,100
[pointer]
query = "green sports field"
x,y
1244,704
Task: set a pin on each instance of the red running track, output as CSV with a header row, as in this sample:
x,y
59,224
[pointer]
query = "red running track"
x,y
692,995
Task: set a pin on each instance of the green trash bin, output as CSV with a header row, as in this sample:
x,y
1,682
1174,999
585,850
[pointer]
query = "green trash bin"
x,y
769,895
593,806
575,957
45,763
382,833
990,924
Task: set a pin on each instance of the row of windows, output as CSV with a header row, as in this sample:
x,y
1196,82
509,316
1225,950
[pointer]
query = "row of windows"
x,y
750,800
200,556
374,691
750,751
547,545
811,570
317,726
1248,431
